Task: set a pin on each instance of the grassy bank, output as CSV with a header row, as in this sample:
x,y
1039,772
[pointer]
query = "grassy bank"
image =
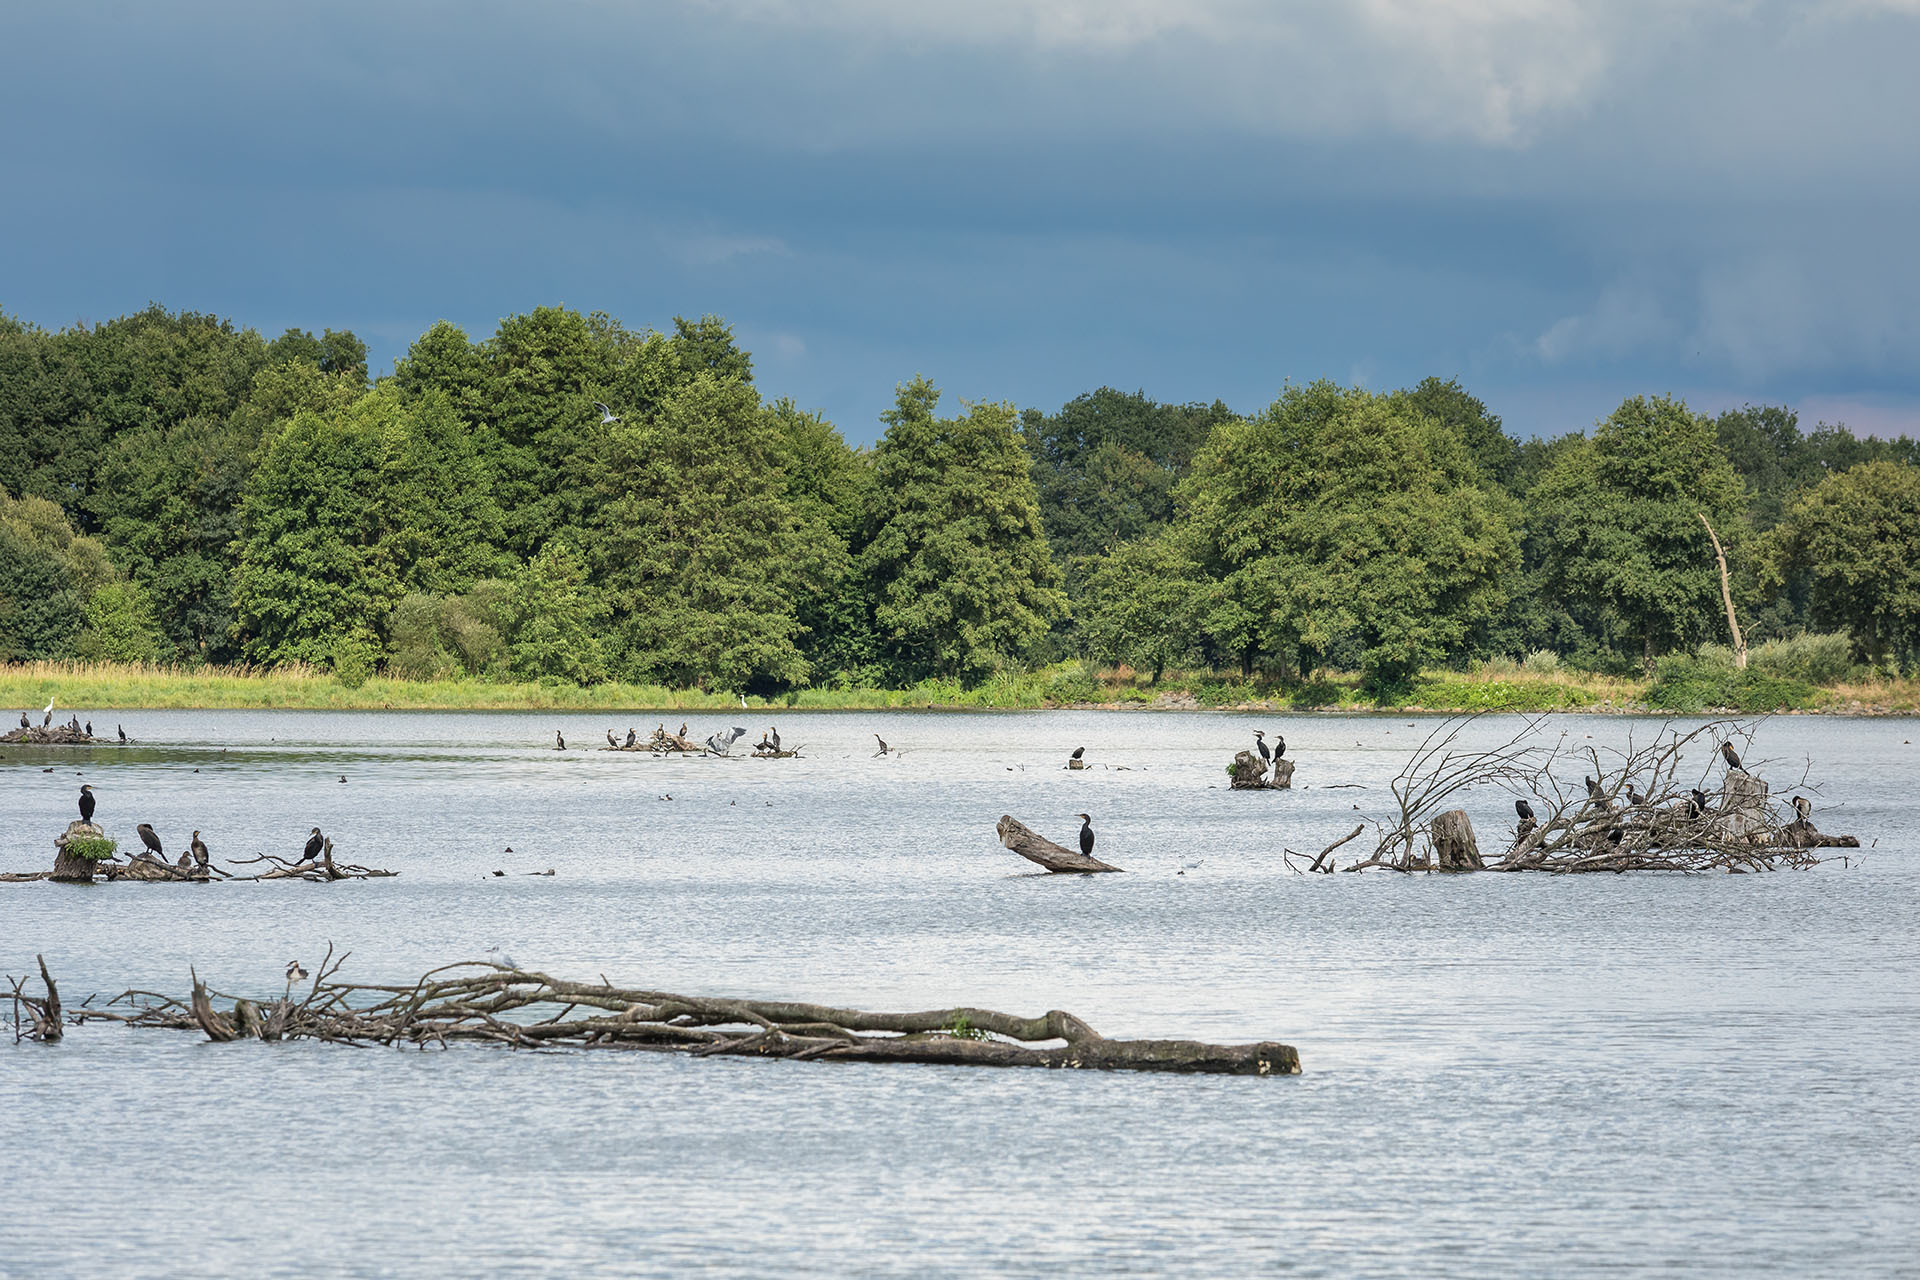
x,y
1688,685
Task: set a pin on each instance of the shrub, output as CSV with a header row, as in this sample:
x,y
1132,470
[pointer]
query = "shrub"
x,y
1690,684
1815,657
1072,684
92,848
353,658
1542,662
1498,665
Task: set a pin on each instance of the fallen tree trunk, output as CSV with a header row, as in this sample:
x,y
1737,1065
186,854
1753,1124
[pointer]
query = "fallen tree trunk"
x,y
473,1001
1034,847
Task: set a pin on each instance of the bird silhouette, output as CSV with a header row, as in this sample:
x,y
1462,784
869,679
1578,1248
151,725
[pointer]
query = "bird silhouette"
x,y
1260,745
606,415
294,971
1086,834
1731,756
198,848
883,745
86,803
151,840
1524,809
313,846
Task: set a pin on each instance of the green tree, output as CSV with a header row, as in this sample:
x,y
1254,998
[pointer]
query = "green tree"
x,y
1624,552
961,574
1448,403
1105,466
1341,517
48,575
554,619
1856,536
704,553
119,626
335,352
1144,604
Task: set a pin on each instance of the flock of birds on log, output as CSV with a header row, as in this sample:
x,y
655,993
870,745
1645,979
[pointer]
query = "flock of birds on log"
x,y
319,847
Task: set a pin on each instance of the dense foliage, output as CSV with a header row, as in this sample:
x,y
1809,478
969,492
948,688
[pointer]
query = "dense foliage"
x,y
176,489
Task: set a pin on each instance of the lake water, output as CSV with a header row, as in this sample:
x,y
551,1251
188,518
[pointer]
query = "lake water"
x,y
1503,1074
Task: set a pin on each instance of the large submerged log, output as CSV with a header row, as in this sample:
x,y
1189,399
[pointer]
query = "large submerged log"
x,y
1034,847
476,1001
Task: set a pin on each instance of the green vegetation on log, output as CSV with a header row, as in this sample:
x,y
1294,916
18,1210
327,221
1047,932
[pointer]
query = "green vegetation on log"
x,y
570,512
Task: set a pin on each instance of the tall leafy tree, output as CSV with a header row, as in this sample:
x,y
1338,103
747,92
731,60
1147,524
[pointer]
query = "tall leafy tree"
x,y
1144,604
958,559
1338,515
1619,517
1105,465
1856,536
703,551
48,576
1448,403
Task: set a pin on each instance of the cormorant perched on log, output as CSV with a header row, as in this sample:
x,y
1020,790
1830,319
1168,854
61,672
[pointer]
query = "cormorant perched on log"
x,y
24,722
1260,745
123,731
683,728
559,743
47,719
1803,807
1086,834
89,728
151,840
312,850
1279,746
1696,803
1593,790
1731,756
86,803
632,737
1634,797
612,741
883,744
1078,753
773,736
199,850
1523,809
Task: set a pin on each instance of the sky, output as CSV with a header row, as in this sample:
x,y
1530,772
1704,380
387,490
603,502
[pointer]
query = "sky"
x,y
1559,202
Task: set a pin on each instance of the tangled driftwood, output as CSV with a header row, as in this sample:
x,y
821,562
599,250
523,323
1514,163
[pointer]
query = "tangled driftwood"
x,y
478,1001
58,735
1034,847
1631,813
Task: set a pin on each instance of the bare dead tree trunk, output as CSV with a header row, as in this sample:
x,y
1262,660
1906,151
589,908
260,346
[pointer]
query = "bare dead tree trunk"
x,y
1726,596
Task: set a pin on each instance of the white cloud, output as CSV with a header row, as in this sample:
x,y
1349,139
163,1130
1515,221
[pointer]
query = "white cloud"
x,y
1627,317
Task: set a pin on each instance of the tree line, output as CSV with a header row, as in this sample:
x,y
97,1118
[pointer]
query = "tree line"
x,y
174,488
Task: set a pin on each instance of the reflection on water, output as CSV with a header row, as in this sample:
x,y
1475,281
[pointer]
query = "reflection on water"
x,y
1504,1073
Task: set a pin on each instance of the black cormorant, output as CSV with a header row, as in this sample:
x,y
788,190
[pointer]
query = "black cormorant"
x,y
24,722
612,741
89,728
1279,746
123,732
1731,756
86,804
1078,752
151,840
1633,795
198,849
559,743
312,850
1086,834
773,735
47,719
1593,790
632,737
883,744
1524,809
1696,803
1260,745
1803,807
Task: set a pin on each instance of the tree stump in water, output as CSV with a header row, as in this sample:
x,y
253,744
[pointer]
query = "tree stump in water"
x,y
1248,772
1454,845
69,866
1034,847
1743,816
1802,834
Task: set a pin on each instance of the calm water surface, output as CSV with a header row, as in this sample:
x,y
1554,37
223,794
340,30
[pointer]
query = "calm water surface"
x,y
1504,1074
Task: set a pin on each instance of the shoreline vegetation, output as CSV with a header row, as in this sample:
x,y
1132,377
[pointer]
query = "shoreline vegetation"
x,y
1694,686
